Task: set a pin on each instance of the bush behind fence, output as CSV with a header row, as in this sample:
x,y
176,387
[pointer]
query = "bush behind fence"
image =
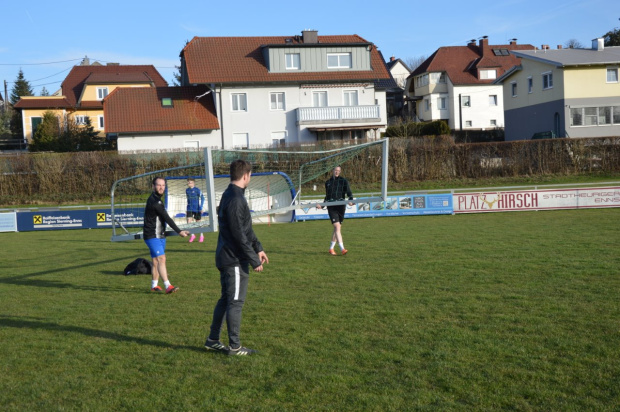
x,y
65,178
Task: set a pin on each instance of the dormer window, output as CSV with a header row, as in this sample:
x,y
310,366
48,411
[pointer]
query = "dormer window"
x,y
488,74
102,92
339,60
166,102
293,61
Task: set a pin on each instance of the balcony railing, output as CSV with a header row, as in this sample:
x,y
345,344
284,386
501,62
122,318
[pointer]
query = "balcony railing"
x,y
337,114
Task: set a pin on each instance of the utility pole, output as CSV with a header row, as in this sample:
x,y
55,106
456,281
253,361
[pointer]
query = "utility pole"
x,y
5,96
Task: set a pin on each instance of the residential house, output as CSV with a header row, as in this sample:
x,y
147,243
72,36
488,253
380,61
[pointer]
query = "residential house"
x,y
455,84
161,118
564,92
82,92
283,90
395,96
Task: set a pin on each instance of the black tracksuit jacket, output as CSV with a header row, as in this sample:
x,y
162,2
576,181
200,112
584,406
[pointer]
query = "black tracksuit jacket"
x,y
155,219
236,244
336,188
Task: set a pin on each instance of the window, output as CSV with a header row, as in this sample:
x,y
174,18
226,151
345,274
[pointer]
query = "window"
x,y
292,61
319,99
442,78
530,85
547,79
339,60
612,75
278,139
427,105
241,140
488,74
493,122
438,77
166,102
421,80
595,116
466,101
468,123
350,97
80,119
442,103
277,101
102,92
100,122
239,102
513,87
492,100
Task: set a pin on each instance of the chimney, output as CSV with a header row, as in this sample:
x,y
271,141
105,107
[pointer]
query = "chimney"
x,y
310,36
559,46
472,42
513,42
544,47
484,45
598,44
392,58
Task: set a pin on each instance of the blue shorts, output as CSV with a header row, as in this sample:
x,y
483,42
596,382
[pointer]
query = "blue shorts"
x,y
156,246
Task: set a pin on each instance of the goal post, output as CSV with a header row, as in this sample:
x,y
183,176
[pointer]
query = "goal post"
x,y
282,182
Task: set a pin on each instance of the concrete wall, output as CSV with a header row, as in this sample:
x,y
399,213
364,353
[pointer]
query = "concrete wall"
x,y
522,123
169,141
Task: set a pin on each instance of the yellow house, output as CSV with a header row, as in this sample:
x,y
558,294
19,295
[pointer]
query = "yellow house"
x,y
563,93
82,92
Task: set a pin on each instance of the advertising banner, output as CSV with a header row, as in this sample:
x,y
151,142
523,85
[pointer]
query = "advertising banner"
x,y
405,205
8,222
73,219
536,200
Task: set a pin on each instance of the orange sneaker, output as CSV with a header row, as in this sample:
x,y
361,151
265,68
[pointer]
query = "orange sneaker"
x,y
344,252
332,252
171,289
157,289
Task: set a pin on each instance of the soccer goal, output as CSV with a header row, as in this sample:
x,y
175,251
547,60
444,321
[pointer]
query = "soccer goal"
x,y
282,182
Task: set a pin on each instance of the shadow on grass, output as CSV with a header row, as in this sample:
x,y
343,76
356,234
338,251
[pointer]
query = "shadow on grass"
x,y
20,323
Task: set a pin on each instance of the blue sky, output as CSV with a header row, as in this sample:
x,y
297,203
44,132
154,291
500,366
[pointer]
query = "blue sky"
x,y
45,39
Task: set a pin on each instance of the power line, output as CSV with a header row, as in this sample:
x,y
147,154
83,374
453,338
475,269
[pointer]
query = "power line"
x,y
37,64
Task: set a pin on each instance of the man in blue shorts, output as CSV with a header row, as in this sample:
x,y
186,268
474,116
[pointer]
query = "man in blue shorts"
x,y
154,233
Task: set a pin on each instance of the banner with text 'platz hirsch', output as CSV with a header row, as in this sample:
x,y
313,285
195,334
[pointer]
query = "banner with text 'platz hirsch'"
x,y
536,200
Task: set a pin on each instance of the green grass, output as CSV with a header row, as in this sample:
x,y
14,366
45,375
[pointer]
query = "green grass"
x,y
504,311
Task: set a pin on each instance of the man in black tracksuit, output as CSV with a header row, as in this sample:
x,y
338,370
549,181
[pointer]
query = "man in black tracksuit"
x,y
154,234
336,188
237,249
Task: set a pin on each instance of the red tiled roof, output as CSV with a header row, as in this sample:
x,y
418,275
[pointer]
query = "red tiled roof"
x,y
140,110
116,77
43,103
73,84
461,63
240,60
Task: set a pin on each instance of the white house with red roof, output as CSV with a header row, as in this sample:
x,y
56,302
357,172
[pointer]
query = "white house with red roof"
x,y
271,91
456,84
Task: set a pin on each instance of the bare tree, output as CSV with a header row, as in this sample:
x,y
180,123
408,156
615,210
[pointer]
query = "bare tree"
x,y
414,62
573,44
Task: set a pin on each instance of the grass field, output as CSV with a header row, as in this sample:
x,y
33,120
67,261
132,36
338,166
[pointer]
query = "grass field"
x,y
504,311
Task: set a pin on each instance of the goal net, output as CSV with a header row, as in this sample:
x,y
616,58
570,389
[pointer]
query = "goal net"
x,y
282,181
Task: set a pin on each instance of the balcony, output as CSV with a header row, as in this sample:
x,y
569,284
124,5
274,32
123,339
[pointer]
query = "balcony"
x,y
338,114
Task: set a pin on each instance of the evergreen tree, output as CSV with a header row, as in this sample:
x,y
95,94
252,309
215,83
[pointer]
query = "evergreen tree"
x,y
47,134
612,37
44,92
21,87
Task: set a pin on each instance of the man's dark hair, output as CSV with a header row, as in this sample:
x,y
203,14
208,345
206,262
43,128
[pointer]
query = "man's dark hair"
x,y
191,179
157,178
238,168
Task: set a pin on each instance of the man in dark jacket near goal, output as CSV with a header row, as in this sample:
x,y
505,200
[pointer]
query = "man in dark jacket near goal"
x,y
154,234
237,250
336,188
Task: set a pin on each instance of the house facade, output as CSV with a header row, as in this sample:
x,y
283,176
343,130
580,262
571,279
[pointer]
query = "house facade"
x,y
455,84
568,92
396,96
82,92
286,90
161,118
